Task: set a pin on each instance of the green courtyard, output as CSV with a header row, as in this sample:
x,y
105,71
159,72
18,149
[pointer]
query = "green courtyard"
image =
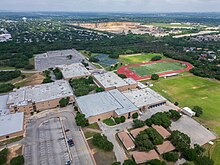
x,y
156,68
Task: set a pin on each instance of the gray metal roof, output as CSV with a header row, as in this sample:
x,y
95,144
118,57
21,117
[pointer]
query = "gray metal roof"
x,y
103,102
11,123
3,105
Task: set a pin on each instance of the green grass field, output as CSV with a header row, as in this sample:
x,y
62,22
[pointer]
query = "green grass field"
x,y
191,90
137,58
213,151
157,68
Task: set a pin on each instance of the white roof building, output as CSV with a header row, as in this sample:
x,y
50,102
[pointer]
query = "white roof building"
x,y
103,102
40,93
75,70
11,123
144,97
187,111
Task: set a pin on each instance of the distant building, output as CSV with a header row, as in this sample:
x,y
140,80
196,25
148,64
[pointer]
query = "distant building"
x,y
11,125
187,111
145,98
103,105
143,157
110,81
126,140
73,71
39,97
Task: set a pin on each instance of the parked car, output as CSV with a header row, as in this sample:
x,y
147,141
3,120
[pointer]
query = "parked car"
x,y
70,142
68,162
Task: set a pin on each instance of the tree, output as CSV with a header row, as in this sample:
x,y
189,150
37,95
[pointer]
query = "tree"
x,y
143,142
138,123
135,115
101,142
3,156
154,77
171,156
81,120
156,162
198,110
129,162
47,80
174,114
180,140
176,103
19,160
29,67
117,120
93,59
58,74
154,136
122,76
159,118
122,118
189,154
114,56
64,102
156,58
204,160
199,150
6,87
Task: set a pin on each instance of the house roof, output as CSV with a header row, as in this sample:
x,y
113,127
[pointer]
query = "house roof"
x,y
162,131
126,140
167,146
136,131
142,157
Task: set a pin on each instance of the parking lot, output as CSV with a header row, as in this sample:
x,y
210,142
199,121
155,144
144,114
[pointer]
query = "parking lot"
x,y
198,134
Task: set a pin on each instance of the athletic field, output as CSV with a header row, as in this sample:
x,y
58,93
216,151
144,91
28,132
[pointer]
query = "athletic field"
x,y
156,68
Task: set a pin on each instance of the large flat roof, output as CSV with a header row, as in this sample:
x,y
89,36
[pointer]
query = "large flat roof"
x,y
3,105
59,57
143,97
103,102
11,123
40,93
110,79
73,70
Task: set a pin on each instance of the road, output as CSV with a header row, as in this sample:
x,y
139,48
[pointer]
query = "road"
x,y
34,144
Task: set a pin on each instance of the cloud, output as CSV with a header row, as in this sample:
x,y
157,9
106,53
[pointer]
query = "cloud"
x,y
112,5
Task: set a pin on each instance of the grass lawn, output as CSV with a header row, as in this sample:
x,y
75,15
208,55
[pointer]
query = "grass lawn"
x,y
102,157
89,134
137,58
109,122
214,151
94,126
149,69
190,90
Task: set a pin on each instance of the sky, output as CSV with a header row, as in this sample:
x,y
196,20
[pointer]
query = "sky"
x,y
112,5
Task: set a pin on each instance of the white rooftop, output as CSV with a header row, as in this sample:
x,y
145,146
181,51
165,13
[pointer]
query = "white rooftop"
x,y
103,102
40,93
73,70
110,79
143,97
3,105
130,81
11,123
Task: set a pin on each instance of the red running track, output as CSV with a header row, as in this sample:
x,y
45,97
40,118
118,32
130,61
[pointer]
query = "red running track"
x,y
130,74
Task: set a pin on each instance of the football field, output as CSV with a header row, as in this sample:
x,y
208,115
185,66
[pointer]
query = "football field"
x,y
156,68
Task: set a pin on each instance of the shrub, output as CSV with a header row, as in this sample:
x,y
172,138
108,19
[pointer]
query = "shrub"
x,y
19,160
64,102
58,74
135,115
171,156
129,162
47,80
138,123
101,142
198,110
156,58
115,56
98,89
81,120
154,77
122,76
117,120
